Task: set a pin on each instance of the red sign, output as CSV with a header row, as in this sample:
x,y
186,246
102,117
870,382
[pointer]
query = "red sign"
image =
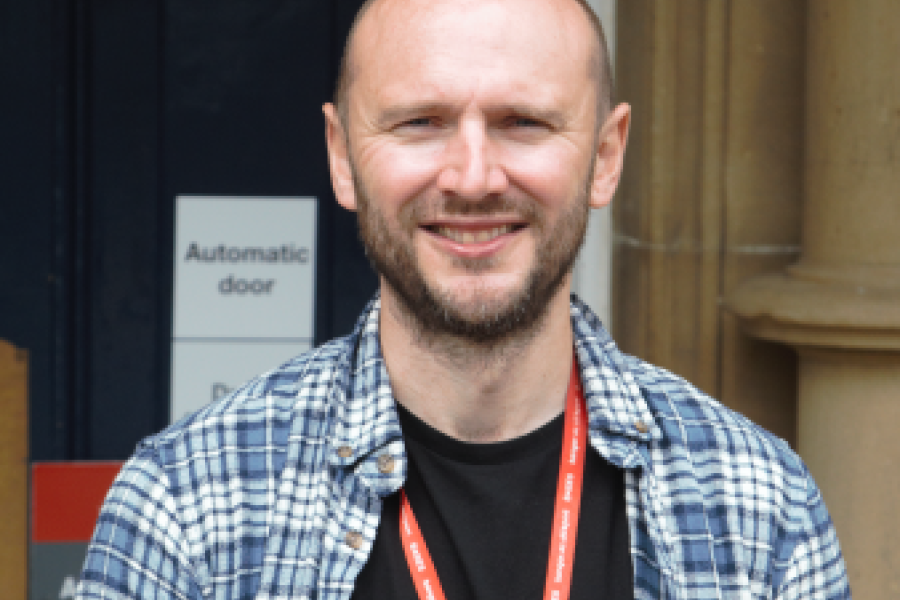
x,y
66,499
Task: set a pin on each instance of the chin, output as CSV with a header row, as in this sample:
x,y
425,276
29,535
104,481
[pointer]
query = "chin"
x,y
478,298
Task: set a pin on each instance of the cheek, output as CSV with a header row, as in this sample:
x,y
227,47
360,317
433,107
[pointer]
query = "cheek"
x,y
550,176
395,175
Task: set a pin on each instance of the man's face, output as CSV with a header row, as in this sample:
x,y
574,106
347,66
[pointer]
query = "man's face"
x,y
481,312
472,139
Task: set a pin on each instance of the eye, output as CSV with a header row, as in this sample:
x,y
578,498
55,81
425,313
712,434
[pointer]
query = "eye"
x,y
526,128
419,122
418,128
524,122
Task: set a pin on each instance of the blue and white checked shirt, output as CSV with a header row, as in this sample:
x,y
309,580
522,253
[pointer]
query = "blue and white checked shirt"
x,y
275,491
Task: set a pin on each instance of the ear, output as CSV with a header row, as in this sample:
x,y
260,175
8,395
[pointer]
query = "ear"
x,y
610,156
339,158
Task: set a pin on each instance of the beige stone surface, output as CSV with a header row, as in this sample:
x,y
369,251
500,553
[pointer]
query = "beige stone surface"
x,y
667,215
711,190
853,134
754,121
764,140
13,471
759,378
840,304
849,415
763,188
801,311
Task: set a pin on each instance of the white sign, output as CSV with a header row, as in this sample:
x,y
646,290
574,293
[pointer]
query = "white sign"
x,y
244,292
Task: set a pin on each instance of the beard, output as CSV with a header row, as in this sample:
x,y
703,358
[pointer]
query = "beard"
x,y
486,317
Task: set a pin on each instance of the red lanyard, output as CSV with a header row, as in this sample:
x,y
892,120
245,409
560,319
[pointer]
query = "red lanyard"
x,y
565,513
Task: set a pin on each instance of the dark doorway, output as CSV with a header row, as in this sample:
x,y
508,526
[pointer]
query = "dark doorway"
x,y
110,110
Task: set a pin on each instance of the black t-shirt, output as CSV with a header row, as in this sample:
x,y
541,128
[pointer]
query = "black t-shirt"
x,y
486,510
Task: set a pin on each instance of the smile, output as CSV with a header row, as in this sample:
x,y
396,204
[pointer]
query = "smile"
x,y
464,236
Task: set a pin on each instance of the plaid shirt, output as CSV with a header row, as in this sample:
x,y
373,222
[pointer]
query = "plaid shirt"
x,y
275,491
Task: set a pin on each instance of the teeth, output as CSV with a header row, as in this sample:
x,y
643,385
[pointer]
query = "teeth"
x,y
473,237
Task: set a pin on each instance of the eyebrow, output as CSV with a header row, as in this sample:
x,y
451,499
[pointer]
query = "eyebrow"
x,y
399,113
553,117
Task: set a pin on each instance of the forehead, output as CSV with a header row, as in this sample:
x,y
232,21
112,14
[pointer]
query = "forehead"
x,y
528,46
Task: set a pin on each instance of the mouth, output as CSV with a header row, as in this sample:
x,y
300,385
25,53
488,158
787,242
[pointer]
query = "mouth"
x,y
474,239
470,235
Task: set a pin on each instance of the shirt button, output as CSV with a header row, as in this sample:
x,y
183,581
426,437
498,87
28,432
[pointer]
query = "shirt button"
x,y
386,463
641,427
354,539
345,451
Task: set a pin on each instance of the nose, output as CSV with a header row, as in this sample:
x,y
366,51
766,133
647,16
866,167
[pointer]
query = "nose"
x,y
472,170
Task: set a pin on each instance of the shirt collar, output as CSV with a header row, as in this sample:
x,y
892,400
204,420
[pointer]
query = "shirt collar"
x,y
367,423
619,416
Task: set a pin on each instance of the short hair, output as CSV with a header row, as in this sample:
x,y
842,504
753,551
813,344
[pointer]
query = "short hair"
x,y
600,65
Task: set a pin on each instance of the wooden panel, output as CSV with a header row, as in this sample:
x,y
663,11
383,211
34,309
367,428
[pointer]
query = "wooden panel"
x,y
13,470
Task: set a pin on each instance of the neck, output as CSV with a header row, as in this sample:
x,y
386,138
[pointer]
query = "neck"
x,y
475,391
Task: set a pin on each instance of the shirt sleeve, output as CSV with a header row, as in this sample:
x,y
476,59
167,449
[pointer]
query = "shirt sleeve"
x,y
139,549
816,569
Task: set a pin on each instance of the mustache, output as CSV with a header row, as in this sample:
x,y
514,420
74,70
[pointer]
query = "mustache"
x,y
427,209
432,207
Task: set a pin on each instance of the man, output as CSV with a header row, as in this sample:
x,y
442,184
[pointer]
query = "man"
x,y
478,435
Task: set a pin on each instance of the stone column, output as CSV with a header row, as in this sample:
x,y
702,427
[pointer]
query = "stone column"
x,y
839,306
710,196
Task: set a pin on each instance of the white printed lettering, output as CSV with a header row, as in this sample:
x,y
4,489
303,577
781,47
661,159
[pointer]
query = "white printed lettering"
x,y
573,454
417,558
284,254
68,589
220,390
570,484
256,287
406,527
